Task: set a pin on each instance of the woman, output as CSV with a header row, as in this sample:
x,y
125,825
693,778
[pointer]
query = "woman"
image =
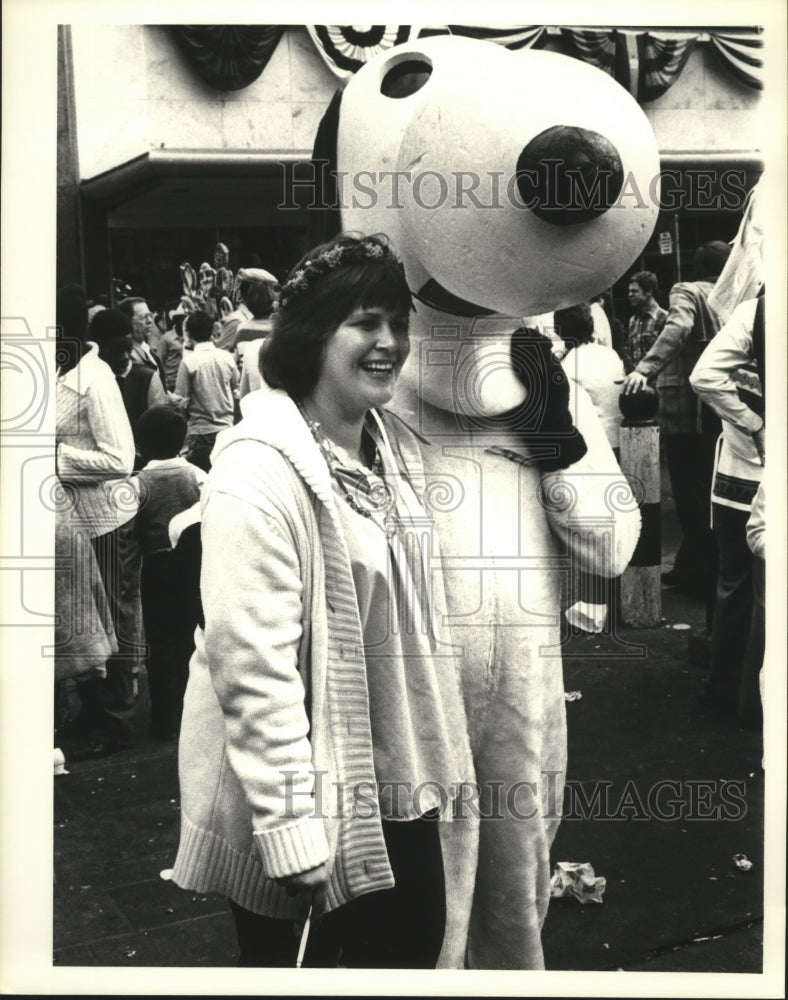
x,y
593,365
599,371
323,728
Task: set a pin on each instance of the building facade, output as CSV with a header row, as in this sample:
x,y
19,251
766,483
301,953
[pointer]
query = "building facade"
x,y
157,161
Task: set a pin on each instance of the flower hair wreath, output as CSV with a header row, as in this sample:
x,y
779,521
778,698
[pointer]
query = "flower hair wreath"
x,y
339,255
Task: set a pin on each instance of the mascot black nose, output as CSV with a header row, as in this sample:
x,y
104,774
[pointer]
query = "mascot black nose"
x,y
567,175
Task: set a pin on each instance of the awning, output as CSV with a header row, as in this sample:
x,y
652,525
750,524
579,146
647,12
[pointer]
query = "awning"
x,y
198,188
165,189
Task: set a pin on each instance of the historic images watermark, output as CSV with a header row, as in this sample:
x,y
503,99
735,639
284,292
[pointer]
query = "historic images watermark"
x,y
666,800
700,189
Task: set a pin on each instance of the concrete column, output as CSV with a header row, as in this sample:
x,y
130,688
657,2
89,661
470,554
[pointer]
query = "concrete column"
x,y
641,586
70,263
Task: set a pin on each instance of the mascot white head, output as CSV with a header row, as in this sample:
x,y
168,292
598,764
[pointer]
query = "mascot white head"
x,y
511,184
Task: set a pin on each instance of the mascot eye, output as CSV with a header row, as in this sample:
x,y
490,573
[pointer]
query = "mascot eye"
x,y
405,78
568,175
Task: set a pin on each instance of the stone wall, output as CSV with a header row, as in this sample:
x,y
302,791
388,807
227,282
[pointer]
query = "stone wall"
x,y
134,92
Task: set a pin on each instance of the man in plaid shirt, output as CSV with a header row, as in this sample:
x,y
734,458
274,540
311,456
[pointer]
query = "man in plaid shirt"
x,y
647,319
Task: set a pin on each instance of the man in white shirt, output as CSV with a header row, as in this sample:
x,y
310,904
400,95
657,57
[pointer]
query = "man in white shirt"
x,y
729,377
95,454
208,382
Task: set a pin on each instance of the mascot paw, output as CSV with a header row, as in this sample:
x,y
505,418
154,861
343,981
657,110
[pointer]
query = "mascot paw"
x,y
544,420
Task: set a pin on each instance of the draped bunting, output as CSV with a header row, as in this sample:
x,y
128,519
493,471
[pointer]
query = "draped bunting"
x,y
741,54
604,49
644,62
228,57
346,47
662,59
512,38
647,63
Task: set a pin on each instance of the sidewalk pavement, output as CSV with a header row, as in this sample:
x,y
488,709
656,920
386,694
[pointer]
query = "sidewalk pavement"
x,y
639,740
675,900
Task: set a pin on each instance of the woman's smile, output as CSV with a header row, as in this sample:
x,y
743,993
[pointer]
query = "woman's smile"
x,y
361,363
379,369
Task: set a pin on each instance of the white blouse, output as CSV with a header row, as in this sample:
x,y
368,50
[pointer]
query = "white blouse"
x,y
390,550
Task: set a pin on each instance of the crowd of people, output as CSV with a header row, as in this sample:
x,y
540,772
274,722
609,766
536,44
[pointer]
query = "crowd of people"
x,y
140,402
237,515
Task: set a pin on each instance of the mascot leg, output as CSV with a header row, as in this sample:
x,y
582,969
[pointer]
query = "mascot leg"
x,y
520,766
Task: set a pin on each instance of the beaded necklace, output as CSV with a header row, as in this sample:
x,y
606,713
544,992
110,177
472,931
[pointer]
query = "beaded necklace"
x,y
366,483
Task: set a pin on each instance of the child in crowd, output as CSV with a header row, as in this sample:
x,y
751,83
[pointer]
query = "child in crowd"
x,y
207,381
168,485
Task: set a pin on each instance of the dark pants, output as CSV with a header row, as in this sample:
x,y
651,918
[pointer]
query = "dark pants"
x,y
199,448
170,642
733,612
107,703
399,928
750,705
690,459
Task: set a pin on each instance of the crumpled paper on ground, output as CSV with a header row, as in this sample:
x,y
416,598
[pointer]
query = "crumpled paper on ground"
x,y
588,617
577,879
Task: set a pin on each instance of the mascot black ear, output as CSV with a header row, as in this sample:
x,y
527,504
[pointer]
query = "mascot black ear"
x,y
326,221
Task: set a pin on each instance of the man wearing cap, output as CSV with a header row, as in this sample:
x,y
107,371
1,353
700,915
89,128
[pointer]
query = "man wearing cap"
x,y
246,278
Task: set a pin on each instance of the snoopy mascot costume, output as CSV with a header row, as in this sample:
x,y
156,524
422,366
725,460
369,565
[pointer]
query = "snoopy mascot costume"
x,y
511,184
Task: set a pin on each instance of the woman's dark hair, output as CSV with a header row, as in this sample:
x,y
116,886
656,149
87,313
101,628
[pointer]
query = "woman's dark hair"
x,y
575,325
160,432
329,283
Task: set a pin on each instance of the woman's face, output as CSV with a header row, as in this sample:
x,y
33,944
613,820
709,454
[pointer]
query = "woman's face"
x,y
363,359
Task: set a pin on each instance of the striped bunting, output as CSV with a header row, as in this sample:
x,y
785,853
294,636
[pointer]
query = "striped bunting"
x,y
598,48
647,64
741,54
511,38
346,47
662,59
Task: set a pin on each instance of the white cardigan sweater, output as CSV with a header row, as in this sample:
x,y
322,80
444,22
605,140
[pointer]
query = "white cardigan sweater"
x,y
260,718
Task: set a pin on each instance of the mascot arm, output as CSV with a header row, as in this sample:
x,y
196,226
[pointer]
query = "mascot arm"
x,y
537,368
590,505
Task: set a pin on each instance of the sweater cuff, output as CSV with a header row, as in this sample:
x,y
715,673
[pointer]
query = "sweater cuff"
x,y
66,468
293,849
